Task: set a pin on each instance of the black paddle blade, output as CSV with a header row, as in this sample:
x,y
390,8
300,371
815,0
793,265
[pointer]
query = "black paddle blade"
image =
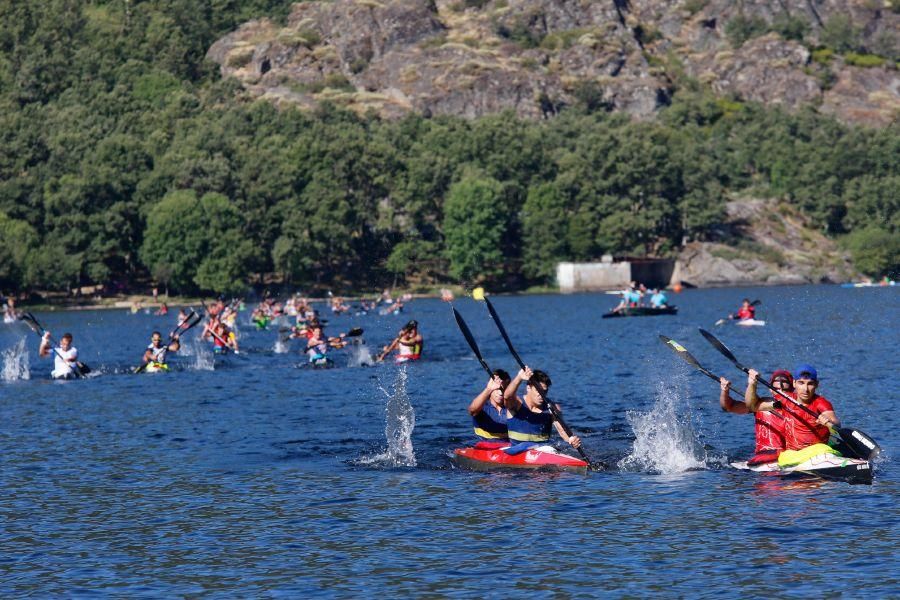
x,y
82,368
722,348
756,303
503,333
861,443
355,332
470,339
679,350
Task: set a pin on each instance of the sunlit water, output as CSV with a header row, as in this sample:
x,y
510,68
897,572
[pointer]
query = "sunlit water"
x,y
255,475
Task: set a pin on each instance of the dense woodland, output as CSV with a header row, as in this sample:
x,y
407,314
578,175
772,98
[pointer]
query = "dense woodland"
x,y
126,159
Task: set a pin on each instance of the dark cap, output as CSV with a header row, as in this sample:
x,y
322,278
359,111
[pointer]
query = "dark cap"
x,y
412,324
805,371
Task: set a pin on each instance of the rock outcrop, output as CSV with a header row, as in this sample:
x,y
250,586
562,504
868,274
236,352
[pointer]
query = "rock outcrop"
x,y
475,57
764,243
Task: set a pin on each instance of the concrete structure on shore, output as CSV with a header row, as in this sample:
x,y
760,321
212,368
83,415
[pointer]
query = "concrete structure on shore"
x,y
611,275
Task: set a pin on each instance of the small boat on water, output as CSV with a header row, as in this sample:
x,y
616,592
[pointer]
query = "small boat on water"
x,y
642,311
545,458
750,323
823,466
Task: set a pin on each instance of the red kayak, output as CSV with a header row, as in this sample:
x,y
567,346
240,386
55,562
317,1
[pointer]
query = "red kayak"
x,y
539,457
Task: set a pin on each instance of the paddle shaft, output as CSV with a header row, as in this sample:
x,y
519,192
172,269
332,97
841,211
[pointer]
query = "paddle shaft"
x,y
471,340
688,358
553,408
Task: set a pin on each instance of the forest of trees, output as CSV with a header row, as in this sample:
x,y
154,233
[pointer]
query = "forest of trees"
x,y
125,158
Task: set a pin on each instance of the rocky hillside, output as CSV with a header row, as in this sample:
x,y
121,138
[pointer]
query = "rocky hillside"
x,y
764,242
475,57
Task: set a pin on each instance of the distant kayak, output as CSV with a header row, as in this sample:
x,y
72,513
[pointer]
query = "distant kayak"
x,y
869,284
750,323
539,457
824,466
642,311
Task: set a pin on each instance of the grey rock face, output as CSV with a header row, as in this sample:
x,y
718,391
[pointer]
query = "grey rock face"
x,y
470,57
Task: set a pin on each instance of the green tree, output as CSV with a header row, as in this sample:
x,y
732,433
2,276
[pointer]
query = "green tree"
x,y
544,231
474,224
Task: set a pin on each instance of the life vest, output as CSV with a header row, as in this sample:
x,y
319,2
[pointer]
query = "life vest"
x,y
158,355
490,423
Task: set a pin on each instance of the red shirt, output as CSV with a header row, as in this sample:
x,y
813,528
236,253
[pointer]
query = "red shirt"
x,y
770,430
799,435
746,313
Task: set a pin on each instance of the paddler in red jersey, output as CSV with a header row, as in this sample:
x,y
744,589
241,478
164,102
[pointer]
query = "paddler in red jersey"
x,y
746,311
489,413
800,428
769,428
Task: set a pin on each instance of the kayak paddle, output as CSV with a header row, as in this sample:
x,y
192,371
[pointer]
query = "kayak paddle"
x,y
553,408
860,443
688,358
471,340
79,368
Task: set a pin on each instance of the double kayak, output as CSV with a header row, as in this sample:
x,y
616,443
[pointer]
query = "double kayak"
x,y
642,311
823,466
540,457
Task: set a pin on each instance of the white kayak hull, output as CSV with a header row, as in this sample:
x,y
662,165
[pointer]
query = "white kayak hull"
x,y
825,466
750,323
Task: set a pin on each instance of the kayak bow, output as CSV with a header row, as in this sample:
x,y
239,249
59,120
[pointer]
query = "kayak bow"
x,y
540,457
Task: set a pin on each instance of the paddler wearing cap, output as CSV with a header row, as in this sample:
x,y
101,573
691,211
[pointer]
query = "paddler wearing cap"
x,y
769,428
800,428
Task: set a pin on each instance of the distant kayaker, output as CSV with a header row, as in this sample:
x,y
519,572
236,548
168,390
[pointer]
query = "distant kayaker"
x,y
223,338
489,414
317,346
529,416
746,311
155,355
65,356
408,343
769,420
631,298
800,428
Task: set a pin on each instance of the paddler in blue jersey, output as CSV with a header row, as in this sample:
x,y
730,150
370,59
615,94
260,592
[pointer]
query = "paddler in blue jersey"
x,y
530,418
489,414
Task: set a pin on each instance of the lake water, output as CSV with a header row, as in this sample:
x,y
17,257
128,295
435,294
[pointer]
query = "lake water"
x,y
247,476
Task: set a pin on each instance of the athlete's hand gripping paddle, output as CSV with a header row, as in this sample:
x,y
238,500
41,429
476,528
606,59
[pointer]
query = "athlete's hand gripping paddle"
x,y
860,443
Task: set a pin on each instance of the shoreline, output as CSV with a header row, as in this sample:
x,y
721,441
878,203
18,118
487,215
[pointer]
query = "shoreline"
x,y
146,301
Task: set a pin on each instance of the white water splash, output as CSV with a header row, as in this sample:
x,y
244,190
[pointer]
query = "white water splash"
x,y
400,421
359,356
15,363
281,346
203,356
665,441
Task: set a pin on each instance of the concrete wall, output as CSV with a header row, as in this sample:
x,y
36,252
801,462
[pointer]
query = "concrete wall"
x,y
608,275
582,277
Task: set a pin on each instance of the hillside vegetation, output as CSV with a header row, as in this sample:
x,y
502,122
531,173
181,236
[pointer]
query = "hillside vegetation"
x,y
125,157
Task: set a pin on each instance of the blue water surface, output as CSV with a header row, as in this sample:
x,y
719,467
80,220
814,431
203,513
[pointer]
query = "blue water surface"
x,y
245,476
